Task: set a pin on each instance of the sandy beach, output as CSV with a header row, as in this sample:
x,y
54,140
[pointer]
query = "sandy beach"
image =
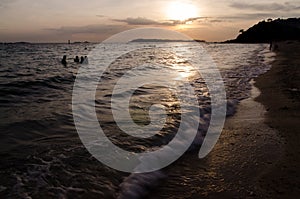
x,y
280,95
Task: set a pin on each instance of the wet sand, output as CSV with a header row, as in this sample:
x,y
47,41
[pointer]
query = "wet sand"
x,y
258,153
281,97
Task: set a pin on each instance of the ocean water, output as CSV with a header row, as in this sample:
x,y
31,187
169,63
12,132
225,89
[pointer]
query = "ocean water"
x,y
40,150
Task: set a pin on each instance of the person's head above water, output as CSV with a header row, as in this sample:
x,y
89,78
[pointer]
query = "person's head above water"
x,y
76,59
81,59
64,60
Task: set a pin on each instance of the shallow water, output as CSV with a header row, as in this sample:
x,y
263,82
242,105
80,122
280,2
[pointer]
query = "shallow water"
x,y
41,153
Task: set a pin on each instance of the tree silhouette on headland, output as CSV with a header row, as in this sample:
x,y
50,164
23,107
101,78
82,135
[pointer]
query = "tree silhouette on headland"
x,y
270,30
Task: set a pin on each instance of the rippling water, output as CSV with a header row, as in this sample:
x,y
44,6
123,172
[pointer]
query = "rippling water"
x,y
41,153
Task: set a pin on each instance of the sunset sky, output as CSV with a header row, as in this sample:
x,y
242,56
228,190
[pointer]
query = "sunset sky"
x,y
96,20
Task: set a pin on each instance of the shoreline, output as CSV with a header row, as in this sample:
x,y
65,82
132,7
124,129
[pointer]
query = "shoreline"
x,y
280,95
234,167
246,151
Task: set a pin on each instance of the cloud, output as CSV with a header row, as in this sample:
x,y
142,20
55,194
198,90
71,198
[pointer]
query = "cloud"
x,y
249,16
265,6
6,3
100,16
100,32
89,29
187,21
113,28
216,21
256,16
141,21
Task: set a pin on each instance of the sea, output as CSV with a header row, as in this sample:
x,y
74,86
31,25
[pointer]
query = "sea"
x,y
41,153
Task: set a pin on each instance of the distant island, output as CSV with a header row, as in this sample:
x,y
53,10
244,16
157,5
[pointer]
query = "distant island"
x,y
270,30
80,42
163,40
18,42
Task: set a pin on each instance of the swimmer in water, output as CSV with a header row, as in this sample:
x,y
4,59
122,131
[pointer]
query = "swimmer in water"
x,y
81,59
76,60
64,60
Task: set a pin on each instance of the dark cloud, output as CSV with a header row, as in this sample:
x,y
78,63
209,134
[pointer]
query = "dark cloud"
x,y
265,6
100,16
216,21
142,21
150,22
189,20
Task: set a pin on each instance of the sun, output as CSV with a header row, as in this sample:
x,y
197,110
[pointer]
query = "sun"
x,y
181,11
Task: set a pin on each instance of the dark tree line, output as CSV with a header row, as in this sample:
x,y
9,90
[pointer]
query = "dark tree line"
x,y
270,30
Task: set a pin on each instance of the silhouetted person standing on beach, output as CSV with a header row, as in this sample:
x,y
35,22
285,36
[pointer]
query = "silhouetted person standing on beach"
x,y
64,60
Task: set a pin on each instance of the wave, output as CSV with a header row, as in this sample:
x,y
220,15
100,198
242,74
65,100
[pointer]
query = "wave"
x,y
26,88
139,185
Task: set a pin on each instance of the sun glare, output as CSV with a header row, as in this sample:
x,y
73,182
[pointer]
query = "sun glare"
x,y
181,11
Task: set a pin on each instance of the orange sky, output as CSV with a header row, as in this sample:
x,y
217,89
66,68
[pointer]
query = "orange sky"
x,y
95,20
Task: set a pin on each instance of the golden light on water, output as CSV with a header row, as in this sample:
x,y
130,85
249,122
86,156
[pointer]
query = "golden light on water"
x,y
183,72
181,11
